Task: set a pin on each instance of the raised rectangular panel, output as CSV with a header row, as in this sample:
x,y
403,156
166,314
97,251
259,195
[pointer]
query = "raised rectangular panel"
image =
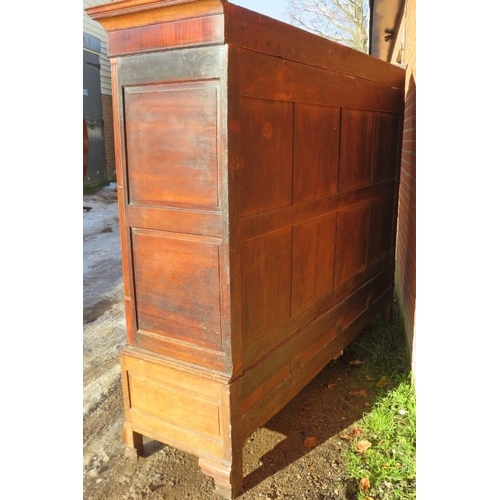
x,y
265,269
316,151
313,260
174,405
352,240
381,227
386,147
171,136
177,286
266,155
356,149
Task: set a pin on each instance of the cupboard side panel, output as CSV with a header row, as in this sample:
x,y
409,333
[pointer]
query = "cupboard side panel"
x,y
171,134
174,159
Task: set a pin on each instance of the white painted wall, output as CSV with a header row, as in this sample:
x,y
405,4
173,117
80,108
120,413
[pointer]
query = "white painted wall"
x,y
94,28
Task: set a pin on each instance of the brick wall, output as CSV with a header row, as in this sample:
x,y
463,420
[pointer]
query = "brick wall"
x,y
107,113
406,232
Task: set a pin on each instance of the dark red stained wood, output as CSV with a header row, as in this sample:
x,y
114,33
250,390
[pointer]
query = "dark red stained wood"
x,y
261,348
171,133
199,356
259,33
381,224
316,151
314,344
200,31
179,221
283,80
265,269
313,260
352,239
356,149
265,180
195,64
177,287
257,174
259,224
386,147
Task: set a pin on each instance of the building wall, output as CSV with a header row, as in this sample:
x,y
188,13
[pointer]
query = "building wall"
x,y
93,28
405,54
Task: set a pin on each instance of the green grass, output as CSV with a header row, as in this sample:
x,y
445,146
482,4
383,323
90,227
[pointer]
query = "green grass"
x,y
390,426
94,188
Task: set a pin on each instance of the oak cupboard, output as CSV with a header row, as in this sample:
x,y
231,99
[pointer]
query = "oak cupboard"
x,y
257,172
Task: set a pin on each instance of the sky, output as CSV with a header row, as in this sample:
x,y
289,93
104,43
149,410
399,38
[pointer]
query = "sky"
x,y
271,8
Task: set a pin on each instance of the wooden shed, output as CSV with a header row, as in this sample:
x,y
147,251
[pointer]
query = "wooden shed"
x,y
257,171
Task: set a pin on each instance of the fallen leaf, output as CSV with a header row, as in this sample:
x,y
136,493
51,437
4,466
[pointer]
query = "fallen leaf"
x,y
359,394
362,446
364,484
331,385
382,382
311,442
351,433
356,362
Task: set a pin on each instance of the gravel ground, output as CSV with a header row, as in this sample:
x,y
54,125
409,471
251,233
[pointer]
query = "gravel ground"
x,y
296,455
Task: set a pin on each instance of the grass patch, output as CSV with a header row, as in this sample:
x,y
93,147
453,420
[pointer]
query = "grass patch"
x,y
381,457
94,188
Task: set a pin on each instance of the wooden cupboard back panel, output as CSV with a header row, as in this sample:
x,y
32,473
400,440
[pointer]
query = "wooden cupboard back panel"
x,y
258,33
266,77
357,149
265,182
316,151
352,242
315,203
386,147
381,229
313,263
265,264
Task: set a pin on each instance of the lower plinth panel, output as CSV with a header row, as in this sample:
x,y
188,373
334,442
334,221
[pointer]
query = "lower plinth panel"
x,y
187,409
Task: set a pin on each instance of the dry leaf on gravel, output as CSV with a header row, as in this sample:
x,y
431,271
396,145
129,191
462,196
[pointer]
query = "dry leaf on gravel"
x,y
362,446
311,442
351,433
364,484
359,394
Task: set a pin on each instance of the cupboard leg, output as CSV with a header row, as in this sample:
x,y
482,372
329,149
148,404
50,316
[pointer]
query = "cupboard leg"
x,y
228,477
133,442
